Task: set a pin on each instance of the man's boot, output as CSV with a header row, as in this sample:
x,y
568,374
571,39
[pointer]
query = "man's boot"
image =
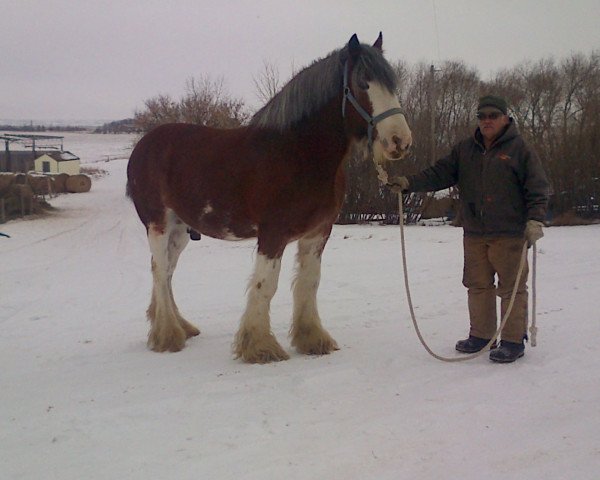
x,y
507,352
472,344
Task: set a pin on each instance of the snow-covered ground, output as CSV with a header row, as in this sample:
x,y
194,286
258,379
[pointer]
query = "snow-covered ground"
x,y
82,398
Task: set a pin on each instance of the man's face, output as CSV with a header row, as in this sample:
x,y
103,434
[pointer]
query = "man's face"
x,y
491,122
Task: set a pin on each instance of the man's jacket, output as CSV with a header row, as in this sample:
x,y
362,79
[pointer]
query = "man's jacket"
x,y
500,189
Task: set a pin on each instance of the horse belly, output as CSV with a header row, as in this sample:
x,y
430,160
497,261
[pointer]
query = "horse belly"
x,y
222,224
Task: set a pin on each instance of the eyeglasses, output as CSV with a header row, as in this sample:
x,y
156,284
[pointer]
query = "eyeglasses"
x,y
491,116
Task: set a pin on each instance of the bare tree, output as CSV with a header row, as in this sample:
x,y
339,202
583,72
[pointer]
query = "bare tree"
x,y
158,110
557,108
205,102
267,83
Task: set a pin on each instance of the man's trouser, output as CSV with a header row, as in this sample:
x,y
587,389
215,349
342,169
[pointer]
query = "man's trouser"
x,y
486,257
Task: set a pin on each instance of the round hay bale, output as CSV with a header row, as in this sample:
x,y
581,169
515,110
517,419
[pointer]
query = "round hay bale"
x,y
12,206
40,184
60,182
22,191
21,201
20,178
6,180
78,184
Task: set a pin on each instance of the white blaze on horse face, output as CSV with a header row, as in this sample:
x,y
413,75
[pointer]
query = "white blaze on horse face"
x,y
393,135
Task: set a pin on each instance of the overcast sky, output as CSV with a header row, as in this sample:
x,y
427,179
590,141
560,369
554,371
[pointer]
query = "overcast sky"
x,y
95,59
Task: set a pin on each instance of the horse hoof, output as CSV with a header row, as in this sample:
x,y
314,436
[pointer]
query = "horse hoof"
x,y
174,342
321,344
264,356
262,350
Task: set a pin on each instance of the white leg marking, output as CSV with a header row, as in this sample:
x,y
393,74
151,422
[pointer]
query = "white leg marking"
x,y
254,341
169,329
308,335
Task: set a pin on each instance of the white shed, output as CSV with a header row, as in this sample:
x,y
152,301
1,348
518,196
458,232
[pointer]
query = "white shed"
x,y
58,162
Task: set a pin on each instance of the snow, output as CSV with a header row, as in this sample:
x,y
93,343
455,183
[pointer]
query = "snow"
x,y
68,156
82,397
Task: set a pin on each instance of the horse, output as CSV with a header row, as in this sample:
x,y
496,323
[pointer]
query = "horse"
x,y
280,178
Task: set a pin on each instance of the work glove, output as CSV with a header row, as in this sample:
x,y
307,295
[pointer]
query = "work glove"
x,y
398,184
533,231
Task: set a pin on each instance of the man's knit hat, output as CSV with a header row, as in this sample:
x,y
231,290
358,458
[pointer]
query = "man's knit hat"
x,y
493,101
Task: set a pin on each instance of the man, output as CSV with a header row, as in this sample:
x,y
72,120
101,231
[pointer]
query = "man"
x,y
503,197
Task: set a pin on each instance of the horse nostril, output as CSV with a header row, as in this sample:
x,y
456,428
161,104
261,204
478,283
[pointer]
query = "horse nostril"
x,y
400,146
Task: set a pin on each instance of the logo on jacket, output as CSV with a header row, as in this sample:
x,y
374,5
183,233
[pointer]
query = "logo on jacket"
x,y
504,157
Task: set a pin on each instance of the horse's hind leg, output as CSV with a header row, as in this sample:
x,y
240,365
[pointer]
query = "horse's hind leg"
x,y
308,335
190,329
169,329
254,341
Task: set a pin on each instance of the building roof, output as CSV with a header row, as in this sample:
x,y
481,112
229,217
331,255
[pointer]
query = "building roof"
x,y
61,156
30,136
7,138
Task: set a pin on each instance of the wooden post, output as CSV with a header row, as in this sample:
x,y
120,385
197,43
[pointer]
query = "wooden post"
x,y
9,163
432,105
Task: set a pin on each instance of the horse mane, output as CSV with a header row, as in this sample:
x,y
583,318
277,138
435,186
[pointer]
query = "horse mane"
x,y
314,86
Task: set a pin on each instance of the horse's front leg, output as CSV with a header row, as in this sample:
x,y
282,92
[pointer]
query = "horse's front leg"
x,y
254,341
308,335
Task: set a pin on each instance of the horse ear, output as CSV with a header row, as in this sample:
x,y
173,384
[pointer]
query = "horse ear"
x,y
379,42
354,46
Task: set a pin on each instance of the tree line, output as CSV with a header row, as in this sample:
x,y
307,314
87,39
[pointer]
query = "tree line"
x,y
206,101
555,103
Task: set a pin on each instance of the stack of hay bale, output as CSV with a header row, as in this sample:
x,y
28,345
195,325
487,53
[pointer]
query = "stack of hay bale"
x,y
23,194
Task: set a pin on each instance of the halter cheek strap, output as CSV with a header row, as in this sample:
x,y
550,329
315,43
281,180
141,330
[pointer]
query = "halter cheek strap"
x,y
371,121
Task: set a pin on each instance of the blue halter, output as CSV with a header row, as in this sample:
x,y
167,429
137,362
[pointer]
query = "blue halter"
x,y
371,121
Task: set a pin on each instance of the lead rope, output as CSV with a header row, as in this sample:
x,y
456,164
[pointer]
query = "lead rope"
x,y
533,328
383,176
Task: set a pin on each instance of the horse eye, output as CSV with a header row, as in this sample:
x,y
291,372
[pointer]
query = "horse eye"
x,y
363,85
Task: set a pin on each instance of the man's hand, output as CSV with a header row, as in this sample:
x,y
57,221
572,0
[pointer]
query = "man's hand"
x,y
398,184
533,231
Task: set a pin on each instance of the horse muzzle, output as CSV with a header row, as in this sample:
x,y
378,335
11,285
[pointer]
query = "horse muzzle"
x,y
396,147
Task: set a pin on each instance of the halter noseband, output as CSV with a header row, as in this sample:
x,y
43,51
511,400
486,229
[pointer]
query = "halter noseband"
x,y
371,121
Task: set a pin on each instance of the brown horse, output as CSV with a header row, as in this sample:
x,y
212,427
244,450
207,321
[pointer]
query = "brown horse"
x,y
279,179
